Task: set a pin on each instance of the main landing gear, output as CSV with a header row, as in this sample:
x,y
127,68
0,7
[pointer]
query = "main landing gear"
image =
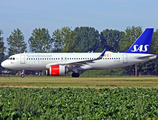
x,y
75,75
23,74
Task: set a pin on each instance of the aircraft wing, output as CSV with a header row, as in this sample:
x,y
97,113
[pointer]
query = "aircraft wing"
x,y
78,63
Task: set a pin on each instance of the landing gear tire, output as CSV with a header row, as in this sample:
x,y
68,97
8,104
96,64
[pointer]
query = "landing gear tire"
x,y
75,75
22,76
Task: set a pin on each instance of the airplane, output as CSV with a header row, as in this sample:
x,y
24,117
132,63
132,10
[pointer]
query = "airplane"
x,y
61,63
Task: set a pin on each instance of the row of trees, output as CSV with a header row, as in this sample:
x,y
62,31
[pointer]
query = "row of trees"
x,y
81,39
2,48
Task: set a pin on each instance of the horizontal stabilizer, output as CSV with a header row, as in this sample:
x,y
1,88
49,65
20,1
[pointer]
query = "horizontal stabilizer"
x,y
147,57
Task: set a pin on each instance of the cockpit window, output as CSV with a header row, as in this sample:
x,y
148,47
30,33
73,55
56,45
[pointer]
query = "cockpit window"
x,y
11,58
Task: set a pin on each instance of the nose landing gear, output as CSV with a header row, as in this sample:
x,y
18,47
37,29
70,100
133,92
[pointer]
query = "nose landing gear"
x,y
23,74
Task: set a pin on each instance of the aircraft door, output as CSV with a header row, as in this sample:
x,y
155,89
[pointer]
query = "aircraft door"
x,y
22,59
125,58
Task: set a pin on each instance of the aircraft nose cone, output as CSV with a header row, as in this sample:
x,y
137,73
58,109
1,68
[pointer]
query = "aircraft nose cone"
x,y
3,64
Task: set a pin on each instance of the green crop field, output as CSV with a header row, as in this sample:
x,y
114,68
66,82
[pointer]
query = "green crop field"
x,y
78,98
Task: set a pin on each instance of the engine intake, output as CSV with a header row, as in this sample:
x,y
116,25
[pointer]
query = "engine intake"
x,y
57,70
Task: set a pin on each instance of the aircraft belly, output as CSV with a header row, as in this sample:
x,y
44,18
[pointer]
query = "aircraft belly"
x,y
105,65
35,65
100,65
28,67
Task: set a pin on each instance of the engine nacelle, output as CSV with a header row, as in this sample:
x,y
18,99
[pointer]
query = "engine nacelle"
x,y
57,70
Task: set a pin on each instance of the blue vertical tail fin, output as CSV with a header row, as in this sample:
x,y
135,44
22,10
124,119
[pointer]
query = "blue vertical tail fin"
x,y
142,44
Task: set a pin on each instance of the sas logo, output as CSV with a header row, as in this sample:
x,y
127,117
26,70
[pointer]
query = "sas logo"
x,y
140,48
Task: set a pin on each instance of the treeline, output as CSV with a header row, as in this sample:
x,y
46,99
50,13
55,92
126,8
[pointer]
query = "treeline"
x,y
81,39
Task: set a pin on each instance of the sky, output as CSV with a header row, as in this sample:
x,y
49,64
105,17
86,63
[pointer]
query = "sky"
x,y
56,14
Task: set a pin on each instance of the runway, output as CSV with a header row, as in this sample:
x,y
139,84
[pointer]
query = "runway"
x,y
64,82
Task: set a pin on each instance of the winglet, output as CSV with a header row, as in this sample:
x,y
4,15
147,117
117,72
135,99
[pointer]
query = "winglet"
x,y
103,52
102,55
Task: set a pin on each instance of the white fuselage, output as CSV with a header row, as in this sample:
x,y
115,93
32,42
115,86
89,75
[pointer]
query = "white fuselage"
x,y
41,61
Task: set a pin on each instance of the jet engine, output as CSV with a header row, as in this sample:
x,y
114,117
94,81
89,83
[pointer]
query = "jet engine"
x,y
57,70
